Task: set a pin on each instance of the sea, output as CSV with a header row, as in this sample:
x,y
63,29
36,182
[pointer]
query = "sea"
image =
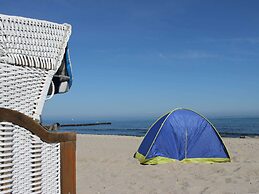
x,y
228,127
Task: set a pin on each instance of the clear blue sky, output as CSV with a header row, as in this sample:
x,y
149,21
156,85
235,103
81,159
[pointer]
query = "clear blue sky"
x,y
143,58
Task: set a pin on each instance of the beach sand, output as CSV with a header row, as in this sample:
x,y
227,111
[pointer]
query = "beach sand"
x,y
105,164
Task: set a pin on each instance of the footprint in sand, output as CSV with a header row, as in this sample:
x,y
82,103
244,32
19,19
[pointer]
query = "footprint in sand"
x,y
228,180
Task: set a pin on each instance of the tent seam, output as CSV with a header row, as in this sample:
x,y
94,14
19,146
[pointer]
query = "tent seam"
x,y
214,128
169,113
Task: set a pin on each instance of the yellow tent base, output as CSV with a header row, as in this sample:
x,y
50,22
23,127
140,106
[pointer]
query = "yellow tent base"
x,y
163,160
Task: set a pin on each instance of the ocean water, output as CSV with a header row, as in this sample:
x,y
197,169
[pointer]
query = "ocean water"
x,y
233,127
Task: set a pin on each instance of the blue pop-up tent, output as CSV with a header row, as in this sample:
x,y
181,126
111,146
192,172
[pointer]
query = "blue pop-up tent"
x,y
183,135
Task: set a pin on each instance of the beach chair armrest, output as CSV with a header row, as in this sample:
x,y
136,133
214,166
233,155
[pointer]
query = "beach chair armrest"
x,y
20,119
67,145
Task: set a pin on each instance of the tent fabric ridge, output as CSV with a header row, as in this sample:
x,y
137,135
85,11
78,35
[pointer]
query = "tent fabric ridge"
x,y
169,113
214,128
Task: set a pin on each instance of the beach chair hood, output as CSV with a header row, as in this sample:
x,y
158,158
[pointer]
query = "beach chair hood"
x,y
182,135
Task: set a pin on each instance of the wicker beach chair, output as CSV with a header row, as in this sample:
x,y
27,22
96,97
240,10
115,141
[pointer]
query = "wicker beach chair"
x,y
32,160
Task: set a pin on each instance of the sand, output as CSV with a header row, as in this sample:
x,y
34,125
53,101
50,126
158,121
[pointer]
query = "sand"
x,y
105,164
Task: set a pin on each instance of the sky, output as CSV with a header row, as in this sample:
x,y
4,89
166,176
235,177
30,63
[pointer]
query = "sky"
x,y
140,59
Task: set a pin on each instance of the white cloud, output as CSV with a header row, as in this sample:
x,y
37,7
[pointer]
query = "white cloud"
x,y
250,40
192,54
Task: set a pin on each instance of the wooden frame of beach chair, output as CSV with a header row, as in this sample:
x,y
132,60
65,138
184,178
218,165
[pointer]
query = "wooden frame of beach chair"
x,y
66,141
32,160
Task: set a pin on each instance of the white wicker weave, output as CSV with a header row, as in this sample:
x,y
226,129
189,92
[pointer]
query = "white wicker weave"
x,y
27,164
30,53
33,43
